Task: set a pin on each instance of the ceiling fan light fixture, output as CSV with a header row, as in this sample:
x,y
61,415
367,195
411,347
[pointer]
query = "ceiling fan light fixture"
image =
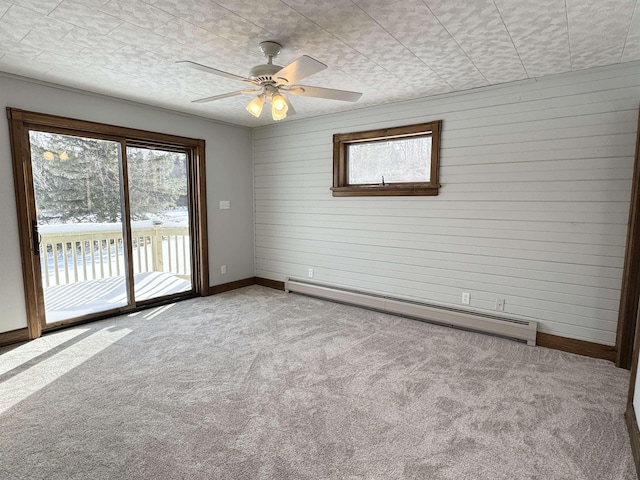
x,y
272,79
255,106
279,106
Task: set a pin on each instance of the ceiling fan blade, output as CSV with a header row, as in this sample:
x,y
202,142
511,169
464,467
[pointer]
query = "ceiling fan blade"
x,y
215,71
224,95
297,70
320,92
290,109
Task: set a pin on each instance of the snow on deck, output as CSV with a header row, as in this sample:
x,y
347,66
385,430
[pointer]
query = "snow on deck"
x,y
72,300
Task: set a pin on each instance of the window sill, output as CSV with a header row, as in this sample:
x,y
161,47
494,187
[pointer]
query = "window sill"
x,y
385,191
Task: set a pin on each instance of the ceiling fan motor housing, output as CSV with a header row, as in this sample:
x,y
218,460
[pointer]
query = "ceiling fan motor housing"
x,y
264,73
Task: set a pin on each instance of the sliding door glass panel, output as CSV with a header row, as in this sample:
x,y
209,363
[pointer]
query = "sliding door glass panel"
x,y
76,184
160,222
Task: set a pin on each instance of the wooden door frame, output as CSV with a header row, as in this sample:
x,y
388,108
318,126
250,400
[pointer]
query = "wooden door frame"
x,y
628,334
20,122
630,414
22,176
630,289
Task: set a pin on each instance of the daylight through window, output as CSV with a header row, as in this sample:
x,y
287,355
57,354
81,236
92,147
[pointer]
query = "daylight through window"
x,y
392,161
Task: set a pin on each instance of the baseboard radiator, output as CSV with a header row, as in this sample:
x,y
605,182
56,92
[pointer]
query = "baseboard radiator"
x,y
521,330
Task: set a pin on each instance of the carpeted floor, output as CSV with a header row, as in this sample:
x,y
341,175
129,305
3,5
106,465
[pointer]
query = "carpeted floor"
x,y
259,384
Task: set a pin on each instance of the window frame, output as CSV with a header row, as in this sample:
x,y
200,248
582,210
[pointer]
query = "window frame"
x,y
341,142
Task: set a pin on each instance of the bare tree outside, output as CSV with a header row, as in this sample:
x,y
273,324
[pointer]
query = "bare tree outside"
x,y
398,161
78,179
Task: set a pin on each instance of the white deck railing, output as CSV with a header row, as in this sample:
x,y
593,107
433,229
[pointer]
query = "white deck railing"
x,y
74,253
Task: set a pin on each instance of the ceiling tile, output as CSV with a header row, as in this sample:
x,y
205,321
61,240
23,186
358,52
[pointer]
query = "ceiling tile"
x,y
273,17
174,52
600,56
276,21
12,33
371,74
371,4
26,18
18,64
45,43
185,33
307,38
99,61
4,6
67,62
347,22
144,60
81,15
312,9
540,34
191,10
217,20
479,30
44,7
354,27
598,31
255,11
95,4
93,41
238,30
137,13
73,77
414,26
137,36
17,50
230,57
632,43
10,38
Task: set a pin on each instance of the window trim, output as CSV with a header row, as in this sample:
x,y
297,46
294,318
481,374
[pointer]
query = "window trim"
x,y
341,141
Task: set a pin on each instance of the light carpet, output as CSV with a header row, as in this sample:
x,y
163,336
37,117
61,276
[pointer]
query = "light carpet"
x,y
260,384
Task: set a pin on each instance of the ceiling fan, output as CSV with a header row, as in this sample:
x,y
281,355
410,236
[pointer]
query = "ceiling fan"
x,y
272,81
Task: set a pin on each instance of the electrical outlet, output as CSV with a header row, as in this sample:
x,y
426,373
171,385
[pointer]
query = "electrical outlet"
x,y
500,304
311,273
223,269
466,298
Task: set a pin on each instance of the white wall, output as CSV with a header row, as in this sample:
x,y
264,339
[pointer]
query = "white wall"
x,y
534,205
229,177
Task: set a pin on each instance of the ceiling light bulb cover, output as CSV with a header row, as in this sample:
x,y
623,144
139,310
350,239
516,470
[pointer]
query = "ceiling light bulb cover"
x,y
278,102
49,156
255,106
279,107
63,156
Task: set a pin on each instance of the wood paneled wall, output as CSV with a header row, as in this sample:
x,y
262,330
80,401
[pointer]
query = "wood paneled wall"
x,y
536,181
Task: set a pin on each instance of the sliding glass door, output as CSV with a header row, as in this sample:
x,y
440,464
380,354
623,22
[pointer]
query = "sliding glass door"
x,y
76,184
160,220
111,219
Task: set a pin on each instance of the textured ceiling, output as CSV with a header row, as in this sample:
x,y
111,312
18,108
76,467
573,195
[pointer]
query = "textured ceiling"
x,y
389,50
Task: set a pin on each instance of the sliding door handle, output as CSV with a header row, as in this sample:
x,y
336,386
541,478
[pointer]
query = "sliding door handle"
x,y
35,237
